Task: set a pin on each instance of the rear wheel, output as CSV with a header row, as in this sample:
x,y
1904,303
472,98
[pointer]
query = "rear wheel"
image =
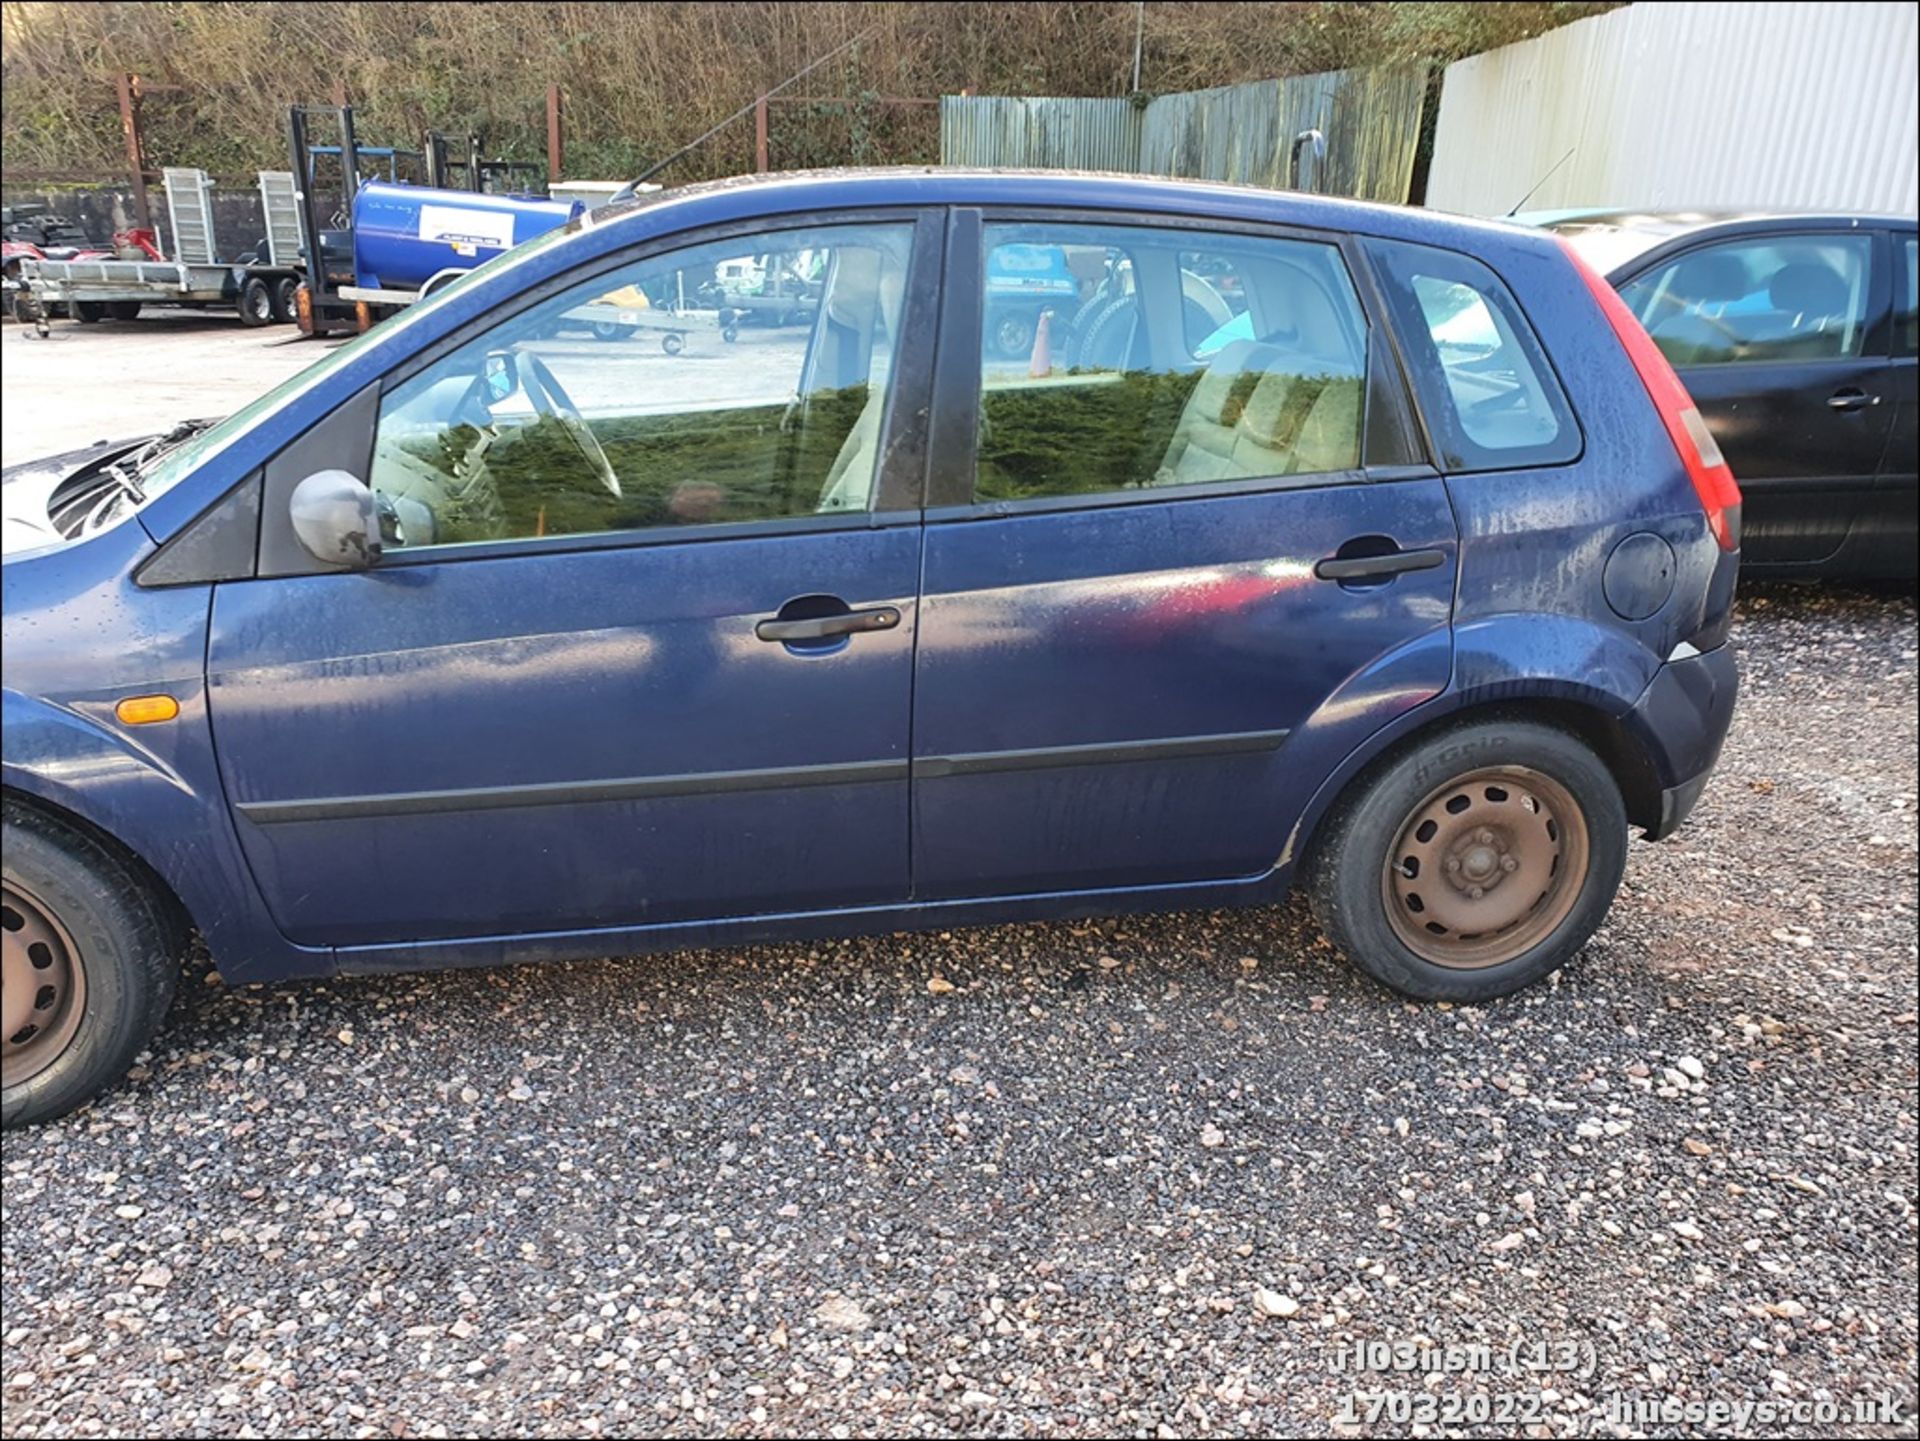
x,y
123,310
1474,862
256,302
87,963
286,300
89,312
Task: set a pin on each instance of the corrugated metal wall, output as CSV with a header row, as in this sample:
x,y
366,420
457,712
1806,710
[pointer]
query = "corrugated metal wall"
x,y
1039,132
1668,106
1243,133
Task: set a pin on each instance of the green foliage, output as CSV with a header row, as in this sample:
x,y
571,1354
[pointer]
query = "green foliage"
x,y
641,80
1116,431
696,466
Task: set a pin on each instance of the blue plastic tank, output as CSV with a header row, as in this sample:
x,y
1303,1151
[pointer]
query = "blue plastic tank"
x,y
404,235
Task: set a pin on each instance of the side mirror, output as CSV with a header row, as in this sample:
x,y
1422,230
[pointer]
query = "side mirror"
x,y
336,519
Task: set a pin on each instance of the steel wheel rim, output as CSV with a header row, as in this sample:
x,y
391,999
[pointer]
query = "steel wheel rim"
x,y
1486,867
43,987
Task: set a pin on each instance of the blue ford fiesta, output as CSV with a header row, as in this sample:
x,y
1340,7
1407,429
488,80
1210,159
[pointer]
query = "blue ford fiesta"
x,y
1287,537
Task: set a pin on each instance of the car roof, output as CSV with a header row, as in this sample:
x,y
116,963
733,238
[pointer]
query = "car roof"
x,y
1062,190
1666,224
1616,241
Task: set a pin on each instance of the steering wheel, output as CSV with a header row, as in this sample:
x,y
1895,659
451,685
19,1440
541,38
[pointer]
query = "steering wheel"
x,y
1677,308
545,391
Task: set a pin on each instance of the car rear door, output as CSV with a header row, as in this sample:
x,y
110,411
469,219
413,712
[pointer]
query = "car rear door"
x,y
1779,336
1185,524
569,697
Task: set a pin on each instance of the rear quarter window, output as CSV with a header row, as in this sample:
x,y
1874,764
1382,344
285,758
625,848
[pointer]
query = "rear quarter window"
x,y
1491,398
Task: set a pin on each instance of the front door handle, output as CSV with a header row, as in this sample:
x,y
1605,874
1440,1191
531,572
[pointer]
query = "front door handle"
x,y
1851,399
825,627
1395,562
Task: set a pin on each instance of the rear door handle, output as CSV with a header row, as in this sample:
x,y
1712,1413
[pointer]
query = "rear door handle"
x,y
1395,562
1851,399
825,627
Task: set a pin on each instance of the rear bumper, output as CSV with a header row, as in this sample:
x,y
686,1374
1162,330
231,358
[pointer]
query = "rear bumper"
x,y
1682,722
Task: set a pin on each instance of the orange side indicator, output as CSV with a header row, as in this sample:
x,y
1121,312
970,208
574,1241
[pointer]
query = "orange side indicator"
x,y
146,710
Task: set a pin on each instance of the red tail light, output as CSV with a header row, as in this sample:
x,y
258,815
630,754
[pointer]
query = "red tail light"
x,y
1706,467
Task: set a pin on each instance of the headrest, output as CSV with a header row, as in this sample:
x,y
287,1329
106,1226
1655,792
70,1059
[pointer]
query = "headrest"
x,y
1714,276
1807,288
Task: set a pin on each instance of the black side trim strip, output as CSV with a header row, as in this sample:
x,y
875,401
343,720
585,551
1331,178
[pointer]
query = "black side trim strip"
x,y
1045,757
565,793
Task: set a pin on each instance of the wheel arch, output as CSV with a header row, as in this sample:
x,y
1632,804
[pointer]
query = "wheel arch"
x,y
1584,715
173,910
166,814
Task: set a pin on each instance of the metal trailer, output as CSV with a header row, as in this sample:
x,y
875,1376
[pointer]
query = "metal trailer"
x,y
260,290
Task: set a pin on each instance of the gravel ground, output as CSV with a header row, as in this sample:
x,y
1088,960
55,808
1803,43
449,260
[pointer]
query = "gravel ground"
x,y
1143,1177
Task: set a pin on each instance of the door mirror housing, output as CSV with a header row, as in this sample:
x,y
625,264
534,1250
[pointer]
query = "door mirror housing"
x,y
336,519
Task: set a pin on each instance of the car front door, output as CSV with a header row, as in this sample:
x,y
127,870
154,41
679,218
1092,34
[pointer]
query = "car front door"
x,y
1888,548
1778,338
640,645
1153,551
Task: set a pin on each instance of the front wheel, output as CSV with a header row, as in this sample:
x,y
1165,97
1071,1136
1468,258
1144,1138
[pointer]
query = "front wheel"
x,y
1474,862
87,964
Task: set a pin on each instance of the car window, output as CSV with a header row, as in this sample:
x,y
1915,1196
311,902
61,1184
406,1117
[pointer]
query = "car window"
x,y
1118,358
1777,297
390,334
1213,302
1489,393
738,380
1906,319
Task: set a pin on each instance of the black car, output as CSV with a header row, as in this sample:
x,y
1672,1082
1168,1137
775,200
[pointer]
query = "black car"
x,y
1795,335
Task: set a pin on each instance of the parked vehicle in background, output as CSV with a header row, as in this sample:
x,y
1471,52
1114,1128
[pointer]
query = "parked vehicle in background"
x,y
116,284
1795,335
32,232
485,640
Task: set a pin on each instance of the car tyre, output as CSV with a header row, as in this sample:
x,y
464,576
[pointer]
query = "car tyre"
x,y
1472,862
89,312
1012,332
1111,337
91,954
286,300
256,302
123,310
